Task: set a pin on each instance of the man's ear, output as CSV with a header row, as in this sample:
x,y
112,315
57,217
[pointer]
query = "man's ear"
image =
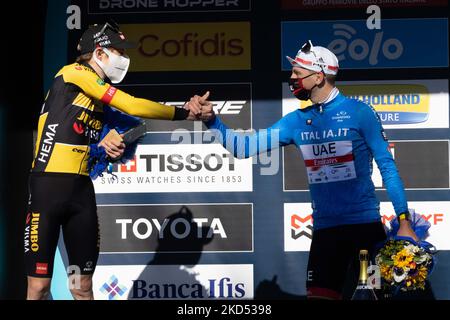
x,y
320,78
99,54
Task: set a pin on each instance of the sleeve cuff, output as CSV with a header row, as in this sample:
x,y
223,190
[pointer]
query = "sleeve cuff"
x,y
213,123
180,114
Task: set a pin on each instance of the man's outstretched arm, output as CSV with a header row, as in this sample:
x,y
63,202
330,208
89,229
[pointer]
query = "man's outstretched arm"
x,y
244,144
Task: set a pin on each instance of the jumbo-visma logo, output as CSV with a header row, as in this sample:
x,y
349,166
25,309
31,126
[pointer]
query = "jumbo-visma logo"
x,y
395,103
190,46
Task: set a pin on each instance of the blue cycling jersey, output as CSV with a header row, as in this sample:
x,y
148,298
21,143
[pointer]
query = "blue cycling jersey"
x,y
338,141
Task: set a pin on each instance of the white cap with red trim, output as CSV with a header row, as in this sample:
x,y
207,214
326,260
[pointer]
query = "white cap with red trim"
x,y
315,59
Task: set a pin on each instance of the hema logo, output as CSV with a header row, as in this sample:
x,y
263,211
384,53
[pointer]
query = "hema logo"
x,y
145,282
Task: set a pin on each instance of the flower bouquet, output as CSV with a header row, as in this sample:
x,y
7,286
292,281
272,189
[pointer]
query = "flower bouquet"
x,y
405,264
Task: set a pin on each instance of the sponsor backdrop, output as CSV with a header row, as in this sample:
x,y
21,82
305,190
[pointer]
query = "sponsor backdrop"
x,y
184,219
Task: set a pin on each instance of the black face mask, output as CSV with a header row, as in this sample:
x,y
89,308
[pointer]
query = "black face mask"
x,y
298,90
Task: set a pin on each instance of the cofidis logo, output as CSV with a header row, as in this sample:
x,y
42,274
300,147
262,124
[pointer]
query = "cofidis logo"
x,y
190,46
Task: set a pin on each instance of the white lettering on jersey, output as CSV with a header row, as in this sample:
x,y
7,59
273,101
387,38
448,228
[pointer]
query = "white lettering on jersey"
x,y
329,162
325,134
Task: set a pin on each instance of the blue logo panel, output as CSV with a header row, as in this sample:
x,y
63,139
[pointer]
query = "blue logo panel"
x,y
400,43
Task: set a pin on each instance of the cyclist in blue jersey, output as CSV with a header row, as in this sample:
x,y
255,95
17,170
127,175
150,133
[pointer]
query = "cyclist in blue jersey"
x,y
338,138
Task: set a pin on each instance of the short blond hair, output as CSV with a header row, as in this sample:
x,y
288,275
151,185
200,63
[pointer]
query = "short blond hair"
x,y
331,79
84,57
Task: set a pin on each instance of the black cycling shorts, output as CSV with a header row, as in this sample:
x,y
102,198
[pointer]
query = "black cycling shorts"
x,y
67,201
333,266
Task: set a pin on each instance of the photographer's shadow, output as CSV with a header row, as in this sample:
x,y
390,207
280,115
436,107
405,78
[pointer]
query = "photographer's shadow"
x,y
178,256
271,290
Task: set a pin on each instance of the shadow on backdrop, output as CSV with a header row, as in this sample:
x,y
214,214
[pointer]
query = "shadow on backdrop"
x,y
183,254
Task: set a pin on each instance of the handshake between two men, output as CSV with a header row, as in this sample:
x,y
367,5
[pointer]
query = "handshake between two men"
x,y
200,108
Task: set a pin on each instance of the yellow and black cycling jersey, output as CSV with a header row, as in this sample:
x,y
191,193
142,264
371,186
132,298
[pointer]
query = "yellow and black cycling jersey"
x,y
72,118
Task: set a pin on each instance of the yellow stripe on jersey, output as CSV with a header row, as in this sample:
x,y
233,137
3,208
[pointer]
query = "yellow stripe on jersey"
x,y
82,101
68,158
96,88
41,123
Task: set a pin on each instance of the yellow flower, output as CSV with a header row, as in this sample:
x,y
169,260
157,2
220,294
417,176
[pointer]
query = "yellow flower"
x,y
423,272
403,258
386,272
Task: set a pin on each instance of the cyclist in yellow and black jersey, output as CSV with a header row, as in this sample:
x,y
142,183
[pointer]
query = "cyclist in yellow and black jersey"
x,y
72,115
61,191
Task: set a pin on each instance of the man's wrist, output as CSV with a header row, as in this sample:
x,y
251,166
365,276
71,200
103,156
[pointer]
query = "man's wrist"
x,y
180,114
210,121
404,216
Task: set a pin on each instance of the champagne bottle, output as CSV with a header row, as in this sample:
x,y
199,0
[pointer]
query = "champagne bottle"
x,y
363,291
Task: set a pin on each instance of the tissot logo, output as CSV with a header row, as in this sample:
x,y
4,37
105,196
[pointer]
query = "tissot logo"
x,y
176,228
130,166
179,168
177,162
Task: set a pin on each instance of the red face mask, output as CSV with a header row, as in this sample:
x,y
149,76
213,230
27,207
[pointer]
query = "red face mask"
x,y
298,90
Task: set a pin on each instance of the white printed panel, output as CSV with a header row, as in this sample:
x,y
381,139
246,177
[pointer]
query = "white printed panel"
x,y
329,162
436,212
298,223
149,282
179,168
401,104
